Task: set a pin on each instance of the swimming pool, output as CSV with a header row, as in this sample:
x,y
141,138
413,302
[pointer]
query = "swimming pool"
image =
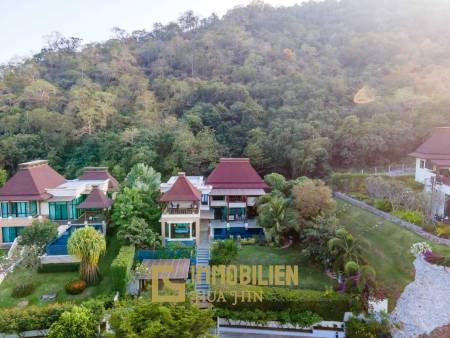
x,y
224,233
58,246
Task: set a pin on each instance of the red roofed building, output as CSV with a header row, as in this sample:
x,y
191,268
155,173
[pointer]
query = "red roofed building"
x,y
224,205
433,169
38,191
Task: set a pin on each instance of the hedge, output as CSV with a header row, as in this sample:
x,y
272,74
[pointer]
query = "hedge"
x,y
31,318
58,267
121,268
329,307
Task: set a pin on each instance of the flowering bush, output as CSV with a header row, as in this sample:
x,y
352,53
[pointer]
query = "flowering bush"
x,y
420,248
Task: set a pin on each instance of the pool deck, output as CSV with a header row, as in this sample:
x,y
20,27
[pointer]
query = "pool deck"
x,y
219,224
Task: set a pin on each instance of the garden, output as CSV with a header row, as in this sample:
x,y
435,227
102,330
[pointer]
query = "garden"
x,y
401,196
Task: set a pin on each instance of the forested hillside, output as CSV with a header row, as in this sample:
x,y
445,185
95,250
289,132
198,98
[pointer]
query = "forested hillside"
x,y
299,90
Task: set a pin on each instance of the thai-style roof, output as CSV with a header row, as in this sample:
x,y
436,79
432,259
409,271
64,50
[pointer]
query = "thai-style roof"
x,y
181,190
30,182
436,147
235,173
95,200
97,174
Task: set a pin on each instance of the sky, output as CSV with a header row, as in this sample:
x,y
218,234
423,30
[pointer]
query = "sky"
x,y
24,24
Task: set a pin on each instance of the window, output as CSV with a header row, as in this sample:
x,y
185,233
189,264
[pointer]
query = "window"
x,y
4,209
9,234
204,199
422,164
58,211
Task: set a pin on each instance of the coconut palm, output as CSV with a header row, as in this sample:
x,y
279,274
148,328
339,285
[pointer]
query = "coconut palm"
x,y
277,218
88,245
345,248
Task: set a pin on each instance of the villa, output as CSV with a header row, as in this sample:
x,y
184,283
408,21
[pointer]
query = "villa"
x,y
223,204
37,191
433,169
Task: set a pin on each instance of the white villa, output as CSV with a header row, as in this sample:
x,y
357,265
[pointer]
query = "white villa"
x,y
433,169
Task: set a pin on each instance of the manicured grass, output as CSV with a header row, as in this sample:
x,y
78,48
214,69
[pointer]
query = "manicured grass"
x,y
47,283
388,247
310,276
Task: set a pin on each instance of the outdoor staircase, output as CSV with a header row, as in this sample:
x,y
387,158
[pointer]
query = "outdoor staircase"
x,y
202,259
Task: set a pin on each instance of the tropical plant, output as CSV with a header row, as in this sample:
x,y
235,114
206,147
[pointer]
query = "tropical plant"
x,y
139,233
314,239
79,322
277,218
88,245
39,233
142,318
359,278
345,248
143,177
223,252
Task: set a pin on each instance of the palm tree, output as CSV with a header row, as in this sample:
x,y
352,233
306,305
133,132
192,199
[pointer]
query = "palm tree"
x,y
277,218
88,245
143,177
345,248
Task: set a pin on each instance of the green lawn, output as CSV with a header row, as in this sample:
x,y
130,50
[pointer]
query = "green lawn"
x,y
47,283
389,246
310,276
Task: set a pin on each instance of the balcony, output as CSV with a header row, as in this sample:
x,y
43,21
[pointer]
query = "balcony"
x,y
181,211
237,199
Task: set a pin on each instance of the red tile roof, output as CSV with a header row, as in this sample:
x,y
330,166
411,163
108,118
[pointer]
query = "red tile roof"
x,y
181,190
99,173
437,146
30,182
235,173
95,200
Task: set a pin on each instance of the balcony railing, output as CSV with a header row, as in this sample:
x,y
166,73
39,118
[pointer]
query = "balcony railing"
x,y
181,211
234,199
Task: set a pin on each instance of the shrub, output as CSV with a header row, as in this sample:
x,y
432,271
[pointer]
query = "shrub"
x,y
329,307
31,318
435,258
78,322
383,204
58,267
411,216
121,268
443,230
23,290
303,319
368,328
75,287
349,183
223,252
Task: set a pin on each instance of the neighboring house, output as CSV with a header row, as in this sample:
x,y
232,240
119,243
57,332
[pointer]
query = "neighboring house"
x,y
433,169
223,205
38,191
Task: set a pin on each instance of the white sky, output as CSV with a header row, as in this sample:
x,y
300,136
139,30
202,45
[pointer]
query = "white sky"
x,y
25,23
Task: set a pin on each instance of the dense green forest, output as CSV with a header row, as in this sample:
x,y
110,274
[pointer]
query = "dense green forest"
x,y
299,90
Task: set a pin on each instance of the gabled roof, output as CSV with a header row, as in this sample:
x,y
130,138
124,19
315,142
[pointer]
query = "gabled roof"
x,y
181,190
95,200
97,174
30,182
436,147
235,173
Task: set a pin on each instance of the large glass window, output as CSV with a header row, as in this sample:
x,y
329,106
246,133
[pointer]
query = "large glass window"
x,y
9,234
180,230
204,199
4,210
58,211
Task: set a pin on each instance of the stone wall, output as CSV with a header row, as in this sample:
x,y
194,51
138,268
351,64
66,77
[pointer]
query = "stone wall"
x,y
394,219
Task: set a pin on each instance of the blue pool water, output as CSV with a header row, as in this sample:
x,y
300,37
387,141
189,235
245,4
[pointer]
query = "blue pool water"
x,y
58,246
224,233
